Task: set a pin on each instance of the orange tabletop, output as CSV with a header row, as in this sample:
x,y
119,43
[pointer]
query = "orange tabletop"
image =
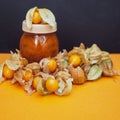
x,y
97,100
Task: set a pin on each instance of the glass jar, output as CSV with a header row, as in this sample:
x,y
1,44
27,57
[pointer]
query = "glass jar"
x,y
38,42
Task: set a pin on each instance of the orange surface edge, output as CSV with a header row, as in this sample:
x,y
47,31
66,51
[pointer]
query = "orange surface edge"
x,y
97,100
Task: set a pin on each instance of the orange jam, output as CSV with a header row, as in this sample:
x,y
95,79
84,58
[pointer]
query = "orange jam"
x,y
38,43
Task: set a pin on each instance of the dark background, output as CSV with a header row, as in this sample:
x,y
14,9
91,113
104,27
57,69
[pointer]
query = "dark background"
x,y
87,21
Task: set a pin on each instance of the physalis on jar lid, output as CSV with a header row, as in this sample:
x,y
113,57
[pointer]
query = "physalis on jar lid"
x,y
39,39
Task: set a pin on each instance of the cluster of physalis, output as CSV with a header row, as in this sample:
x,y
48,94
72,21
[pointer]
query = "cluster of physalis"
x,y
58,74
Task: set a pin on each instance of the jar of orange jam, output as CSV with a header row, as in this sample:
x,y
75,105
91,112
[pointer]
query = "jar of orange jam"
x,y
38,42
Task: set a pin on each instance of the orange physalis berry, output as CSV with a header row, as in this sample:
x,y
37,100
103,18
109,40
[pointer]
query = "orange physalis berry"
x,y
27,75
52,65
35,81
52,84
74,60
7,72
36,17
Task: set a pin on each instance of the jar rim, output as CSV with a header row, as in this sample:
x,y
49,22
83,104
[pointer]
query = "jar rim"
x,y
38,28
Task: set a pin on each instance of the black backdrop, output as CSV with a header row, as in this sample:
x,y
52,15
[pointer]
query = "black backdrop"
x,y
87,21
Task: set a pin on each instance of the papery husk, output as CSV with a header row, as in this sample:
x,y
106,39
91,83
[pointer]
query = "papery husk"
x,y
1,72
62,60
13,65
64,75
1,69
94,73
86,68
108,69
44,65
95,54
65,83
18,77
18,59
48,17
14,62
65,88
45,75
35,67
93,50
77,74
77,50
29,16
27,85
41,88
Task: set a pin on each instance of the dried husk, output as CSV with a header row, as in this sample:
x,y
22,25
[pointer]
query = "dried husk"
x,y
95,54
65,87
27,85
45,75
95,72
1,69
62,60
41,88
1,72
44,65
18,59
65,83
108,70
48,17
35,67
29,16
77,74
14,63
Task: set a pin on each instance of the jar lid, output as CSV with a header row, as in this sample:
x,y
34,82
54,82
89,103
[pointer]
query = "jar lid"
x,y
38,28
